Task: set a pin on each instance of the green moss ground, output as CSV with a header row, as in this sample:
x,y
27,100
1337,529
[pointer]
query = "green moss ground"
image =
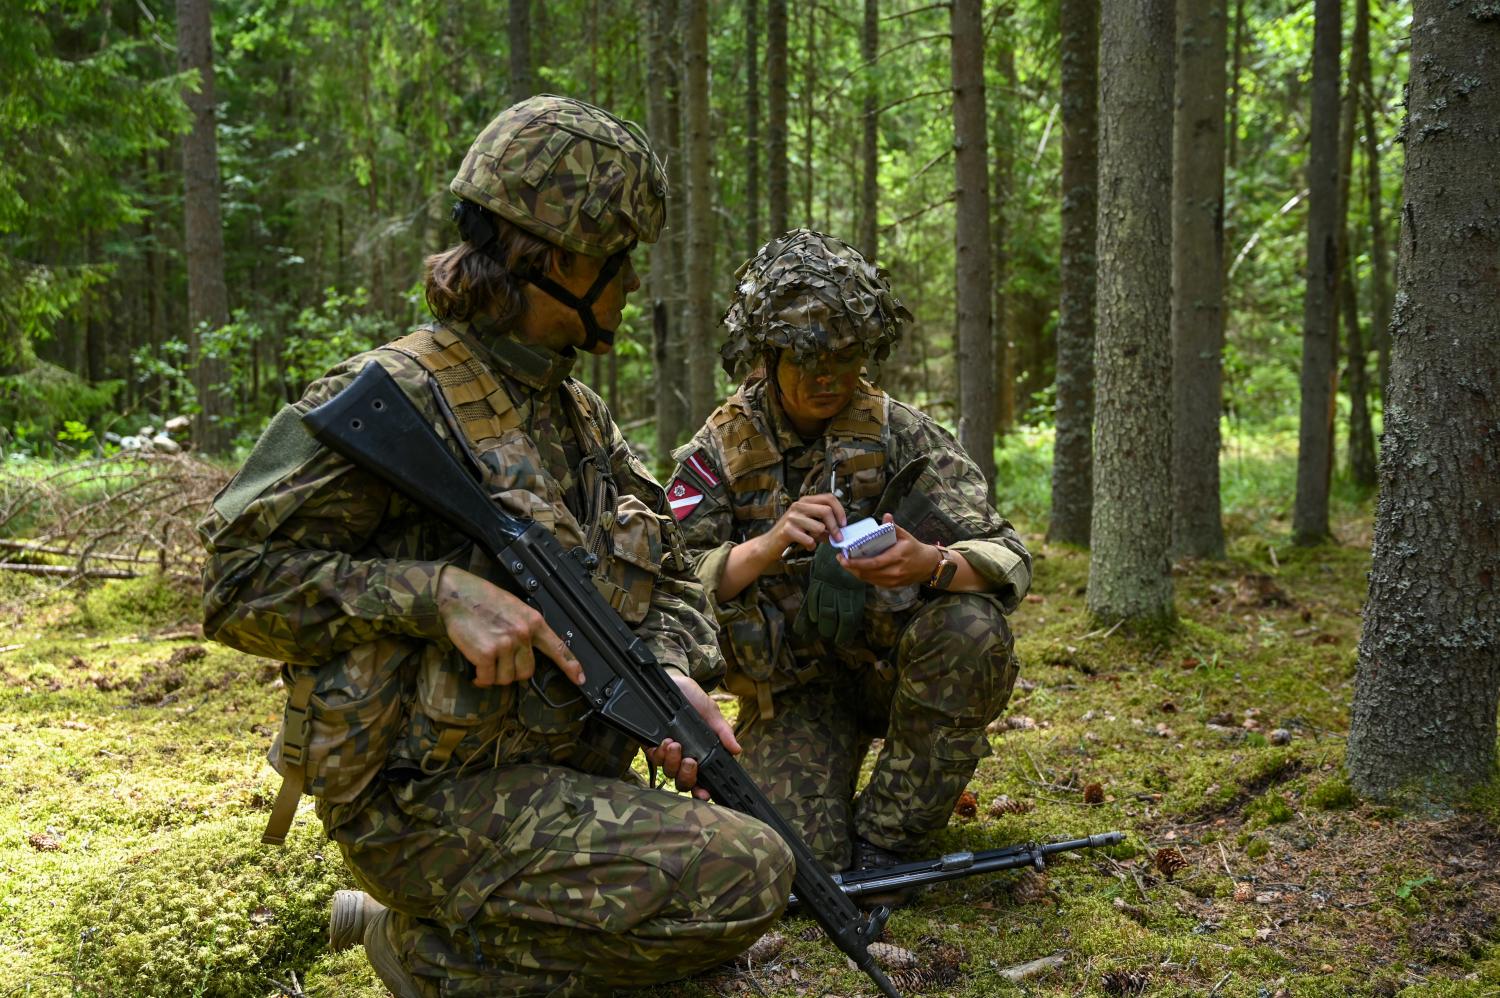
x,y
133,789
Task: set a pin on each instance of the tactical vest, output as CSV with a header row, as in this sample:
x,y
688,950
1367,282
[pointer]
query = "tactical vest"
x,y
413,704
761,651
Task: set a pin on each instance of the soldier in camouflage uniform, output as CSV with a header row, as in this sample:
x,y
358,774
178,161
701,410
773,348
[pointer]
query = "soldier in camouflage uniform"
x,y
828,653
503,843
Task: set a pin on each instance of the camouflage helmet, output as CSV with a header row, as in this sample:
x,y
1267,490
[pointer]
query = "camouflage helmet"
x,y
809,293
568,172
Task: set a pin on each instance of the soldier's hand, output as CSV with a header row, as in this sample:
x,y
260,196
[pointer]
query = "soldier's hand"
x,y
808,521
905,563
668,755
498,633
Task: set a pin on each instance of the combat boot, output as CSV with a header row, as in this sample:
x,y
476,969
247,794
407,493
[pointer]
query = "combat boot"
x,y
869,856
381,952
352,911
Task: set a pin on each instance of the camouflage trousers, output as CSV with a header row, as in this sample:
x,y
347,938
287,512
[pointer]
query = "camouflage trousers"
x,y
953,670
543,880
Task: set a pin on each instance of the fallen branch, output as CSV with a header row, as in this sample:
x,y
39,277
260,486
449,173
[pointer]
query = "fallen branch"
x,y
1021,971
68,570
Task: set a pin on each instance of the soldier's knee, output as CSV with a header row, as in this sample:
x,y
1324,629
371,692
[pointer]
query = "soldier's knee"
x,y
758,871
957,657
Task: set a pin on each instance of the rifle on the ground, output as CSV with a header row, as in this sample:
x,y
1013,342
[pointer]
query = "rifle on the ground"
x,y
957,865
375,426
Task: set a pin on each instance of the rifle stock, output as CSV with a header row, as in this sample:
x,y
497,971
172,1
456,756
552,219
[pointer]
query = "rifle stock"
x,y
376,427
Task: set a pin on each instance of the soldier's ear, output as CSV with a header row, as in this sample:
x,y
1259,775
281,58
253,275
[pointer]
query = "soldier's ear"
x,y
560,263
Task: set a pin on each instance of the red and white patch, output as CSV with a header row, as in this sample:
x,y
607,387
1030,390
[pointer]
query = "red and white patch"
x,y
683,498
702,469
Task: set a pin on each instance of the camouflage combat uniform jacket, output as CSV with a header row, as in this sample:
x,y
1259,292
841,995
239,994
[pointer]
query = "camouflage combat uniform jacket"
x,y
740,472
325,567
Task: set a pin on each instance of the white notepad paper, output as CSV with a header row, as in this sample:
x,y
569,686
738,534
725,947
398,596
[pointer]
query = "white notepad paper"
x,y
864,538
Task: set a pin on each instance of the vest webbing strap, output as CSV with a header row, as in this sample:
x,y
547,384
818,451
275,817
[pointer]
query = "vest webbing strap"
x,y
296,733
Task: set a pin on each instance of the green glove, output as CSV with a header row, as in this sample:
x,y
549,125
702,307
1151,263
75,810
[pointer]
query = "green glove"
x,y
835,600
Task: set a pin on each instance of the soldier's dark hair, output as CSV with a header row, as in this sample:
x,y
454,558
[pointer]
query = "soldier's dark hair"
x,y
464,280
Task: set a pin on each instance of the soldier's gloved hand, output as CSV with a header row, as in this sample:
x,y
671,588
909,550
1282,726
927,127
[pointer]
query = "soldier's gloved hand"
x,y
835,601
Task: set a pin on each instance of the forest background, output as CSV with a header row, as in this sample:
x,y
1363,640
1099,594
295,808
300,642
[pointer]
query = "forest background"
x,y
203,206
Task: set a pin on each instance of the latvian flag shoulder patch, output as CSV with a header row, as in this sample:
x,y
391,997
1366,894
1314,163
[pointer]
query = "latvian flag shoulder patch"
x,y
684,494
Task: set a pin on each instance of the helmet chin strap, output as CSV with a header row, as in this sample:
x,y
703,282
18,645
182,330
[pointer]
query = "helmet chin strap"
x,y
477,226
593,333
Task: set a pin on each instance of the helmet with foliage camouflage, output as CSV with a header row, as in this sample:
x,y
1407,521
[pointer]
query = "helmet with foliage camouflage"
x,y
568,172
809,293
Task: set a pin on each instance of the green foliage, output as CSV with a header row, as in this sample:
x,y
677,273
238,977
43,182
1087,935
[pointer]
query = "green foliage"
x,y
39,405
1332,795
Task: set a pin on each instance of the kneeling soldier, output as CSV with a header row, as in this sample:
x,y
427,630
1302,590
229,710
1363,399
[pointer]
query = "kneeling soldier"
x,y
503,843
826,652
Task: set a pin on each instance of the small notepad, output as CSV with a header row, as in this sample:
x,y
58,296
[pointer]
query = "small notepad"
x,y
864,538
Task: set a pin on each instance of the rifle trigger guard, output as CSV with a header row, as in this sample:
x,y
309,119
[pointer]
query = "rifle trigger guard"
x,y
542,678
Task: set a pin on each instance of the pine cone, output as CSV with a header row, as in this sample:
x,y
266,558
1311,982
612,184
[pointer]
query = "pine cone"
x,y
1005,805
1169,861
1244,893
1125,982
1093,794
1029,888
967,806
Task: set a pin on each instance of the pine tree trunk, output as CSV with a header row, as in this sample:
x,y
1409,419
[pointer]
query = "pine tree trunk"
x,y
869,239
1005,163
522,83
776,162
1380,265
1129,570
1428,677
975,376
669,364
1361,433
1198,278
810,57
701,355
208,298
1319,314
1238,57
752,126
1073,448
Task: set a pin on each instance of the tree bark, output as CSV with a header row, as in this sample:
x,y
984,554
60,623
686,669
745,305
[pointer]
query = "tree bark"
x,y
752,125
1319,314
1073,447
1005,168
976,423
776,162
1238,50
1361,433
869,237
522,82
1379,255
670,365
1423,720
1129,570
1198,278
700,323
810,56
203,227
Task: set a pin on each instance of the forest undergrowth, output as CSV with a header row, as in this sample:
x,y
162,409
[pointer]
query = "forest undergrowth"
x,y
133,789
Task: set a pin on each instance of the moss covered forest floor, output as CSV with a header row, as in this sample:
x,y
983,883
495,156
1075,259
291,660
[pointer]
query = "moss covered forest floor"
x,y
133,790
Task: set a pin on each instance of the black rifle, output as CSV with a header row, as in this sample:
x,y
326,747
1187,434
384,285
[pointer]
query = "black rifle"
x,y
374,425
956,865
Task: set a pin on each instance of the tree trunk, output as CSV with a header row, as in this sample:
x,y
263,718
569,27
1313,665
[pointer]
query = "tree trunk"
x,y
1428,677
1361,433
1005,163
869,238
1238,49
810,57
752,125
1130,574
976,422
1319,335
1198,278
776,162
700,323
1379,256
1073,448
522,83
669,364
208,298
